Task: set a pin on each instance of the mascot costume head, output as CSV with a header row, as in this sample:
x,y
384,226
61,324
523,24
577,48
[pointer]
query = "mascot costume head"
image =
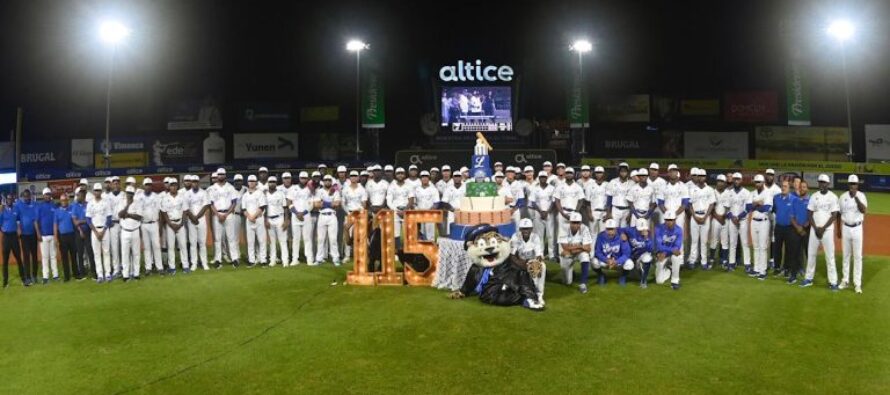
x,y
494,276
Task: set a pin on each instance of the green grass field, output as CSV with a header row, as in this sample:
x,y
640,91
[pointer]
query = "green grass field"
x,y
278,330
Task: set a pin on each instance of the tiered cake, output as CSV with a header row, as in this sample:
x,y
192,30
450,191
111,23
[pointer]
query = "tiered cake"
x,y
482,205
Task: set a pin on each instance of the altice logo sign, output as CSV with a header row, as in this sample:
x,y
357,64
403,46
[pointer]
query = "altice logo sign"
x,y
470,71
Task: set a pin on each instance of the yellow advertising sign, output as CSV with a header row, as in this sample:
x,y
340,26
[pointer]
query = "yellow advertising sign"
x,y
123,160
700,107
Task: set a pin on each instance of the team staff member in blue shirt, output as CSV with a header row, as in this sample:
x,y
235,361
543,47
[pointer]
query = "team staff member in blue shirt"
x,y
797,241
46,221
9,224
783,208
64,221
82,242
26,209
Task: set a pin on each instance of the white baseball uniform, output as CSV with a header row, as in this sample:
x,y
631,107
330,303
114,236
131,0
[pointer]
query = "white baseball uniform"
x,y
453,196
326,228
595,193
823,206
720,232
276,209
581,237
354,200
640,199
738,208
530,249
253,203
760,229
397,200
617,190
196,201
174,206
700,200
223,197
114,233
517,192
131,245
851,235
568,195
151,232
98,211
657,184
542,199
426,199
302,230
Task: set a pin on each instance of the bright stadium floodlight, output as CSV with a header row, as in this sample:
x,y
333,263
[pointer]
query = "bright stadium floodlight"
x,y
581,46
113,32
356,45
842,30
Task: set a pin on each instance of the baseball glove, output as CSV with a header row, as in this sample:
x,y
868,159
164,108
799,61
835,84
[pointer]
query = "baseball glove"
x,y
535,268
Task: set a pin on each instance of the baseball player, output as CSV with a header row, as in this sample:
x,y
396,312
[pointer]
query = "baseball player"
x,y
616,196
737,214
853,206
173,208
517,191
641,199
668,246
130,213
674,196
263,177
823,209
223,198
760,206
442,183
540,210
45,227
719,226
114,195
595,194
302,221
526,245
612,252
657,184
701,203
567,198
575,244
198,203
98,216
399,197
253,205
426,197
451,200
504,190
355,199
277,222
640,241
783,210
150,204
238,217
775,189
327,199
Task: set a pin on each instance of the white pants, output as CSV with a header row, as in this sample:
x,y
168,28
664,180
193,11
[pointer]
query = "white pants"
x,y
597,222
760,235
176,240
621,216
851,244
627,265
698,240
662,272
827,242
544,230
562,224
298,236
102,253
326,237
517,216
225,230
719,234
151,240
198,242
131,247
48,256
114,236
308,231
256,234
567,263
277,232
735,234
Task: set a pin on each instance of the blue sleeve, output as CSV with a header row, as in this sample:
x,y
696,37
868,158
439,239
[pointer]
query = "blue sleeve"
x,y
598,251
659,247
661,202
608,202
625,252
678,242
108,221
765,208
325,204
520,202
685,202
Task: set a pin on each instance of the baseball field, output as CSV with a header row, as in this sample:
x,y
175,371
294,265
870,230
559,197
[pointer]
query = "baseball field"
x,y
275,330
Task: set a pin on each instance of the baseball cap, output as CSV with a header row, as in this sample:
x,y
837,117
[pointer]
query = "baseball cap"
x,y
824,178
702,172
286,175
263,169
575,217
759,178
412,167
547,164
633,173
328,177
272,179
623,164
670,215
363,173
107,179
147,181
570,170
388,168
528,169
47,191
498,174
400,170
464,169
97,187
721,177
693,171
304,174
251,178
511,169
654,166
599,169
221,171
434,169
853,179
213,175
542,173
83,181
642,224
424,173
770,171
173,180
446,168
130,189
341,169
642,172
316,173
560,164
525,223
736,176
353,173
611,224
673,167
498,163
239,177
131,180
115,178
585,167
322,166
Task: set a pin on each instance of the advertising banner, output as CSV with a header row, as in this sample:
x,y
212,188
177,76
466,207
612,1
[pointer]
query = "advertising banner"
x,y
320,114
631,108
877,143
45,154
264,116
797,91
715,145
373,97
577,102
629,143
426,159
700,107
82,153
802,143
176,149
751,164
203,114
757,106
7,155
265,145
125,152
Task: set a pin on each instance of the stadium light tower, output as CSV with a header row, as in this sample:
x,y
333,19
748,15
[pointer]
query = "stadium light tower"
x,y
357,46
582,47
843,30
112,33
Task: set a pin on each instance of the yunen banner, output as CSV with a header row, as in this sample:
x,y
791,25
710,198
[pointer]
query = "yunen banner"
x,y
264,116
82,153
700,107
801,142
45,154
426,159
715,145
373,96
877,143
202,114
125,152
265,145
577,102
629,108
755,106
176,149
797,91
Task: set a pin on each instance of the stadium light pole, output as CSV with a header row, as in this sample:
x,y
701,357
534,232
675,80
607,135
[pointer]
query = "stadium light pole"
x,y
582,47
357,46
842,31
112,33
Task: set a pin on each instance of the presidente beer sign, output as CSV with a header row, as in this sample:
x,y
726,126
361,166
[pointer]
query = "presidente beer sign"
x,y
475,71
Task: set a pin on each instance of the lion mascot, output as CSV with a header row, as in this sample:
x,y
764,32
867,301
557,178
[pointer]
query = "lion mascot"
x,y
494,276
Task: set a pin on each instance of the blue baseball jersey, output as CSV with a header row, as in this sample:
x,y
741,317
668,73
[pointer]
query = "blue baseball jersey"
x,y
783,206
79,211
668,240
27,212
64,218
9,219
801,214
638,244
611,247
46,217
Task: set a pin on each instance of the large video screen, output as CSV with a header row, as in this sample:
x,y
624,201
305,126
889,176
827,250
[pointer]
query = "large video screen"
x,y
477,108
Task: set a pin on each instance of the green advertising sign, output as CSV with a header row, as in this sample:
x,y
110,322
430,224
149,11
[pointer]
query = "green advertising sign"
x,y
797,91
577,106
373,98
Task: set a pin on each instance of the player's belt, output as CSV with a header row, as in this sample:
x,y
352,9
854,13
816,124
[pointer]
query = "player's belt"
x,y
273,216
760,219
620,207
327,213
852,225
599,209
175,220
148,222
130,230
222,211
642,212
699,213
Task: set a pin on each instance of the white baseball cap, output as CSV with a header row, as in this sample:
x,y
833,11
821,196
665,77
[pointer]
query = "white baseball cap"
x,y
220,171
498,174
446,168
147,181
363,173
853,179
322,166
511,169
328,177
388,168
131,180
400,170
424,173
642,172
575,217
671,214
341,169
528,169
97,187
693,171
702,172
498,163
623,164
213,175
173,180
633,173
272,179
824,178
611,224
560,164
304,174
585,167
239,177
770,171
316,173
721,177
758,178
542,173
736,175
83,181
599,169
353,173
642,224
251,178
547,163
47,191
107,179
464,169
130,189
434,169
673,167
263,169
286,175
654,166
115,178
570,170
525,223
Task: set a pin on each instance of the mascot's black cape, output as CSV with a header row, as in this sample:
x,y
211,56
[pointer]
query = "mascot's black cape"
x,y
505,284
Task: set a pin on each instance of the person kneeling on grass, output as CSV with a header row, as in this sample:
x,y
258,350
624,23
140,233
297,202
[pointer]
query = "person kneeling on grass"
x,y
575,245
612,252
526,247
640,241
668,245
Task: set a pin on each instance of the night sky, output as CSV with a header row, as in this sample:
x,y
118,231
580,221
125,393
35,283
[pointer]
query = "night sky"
x,y
55,67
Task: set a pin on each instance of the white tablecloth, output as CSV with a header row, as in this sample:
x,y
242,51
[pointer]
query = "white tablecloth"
x,y
454,263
